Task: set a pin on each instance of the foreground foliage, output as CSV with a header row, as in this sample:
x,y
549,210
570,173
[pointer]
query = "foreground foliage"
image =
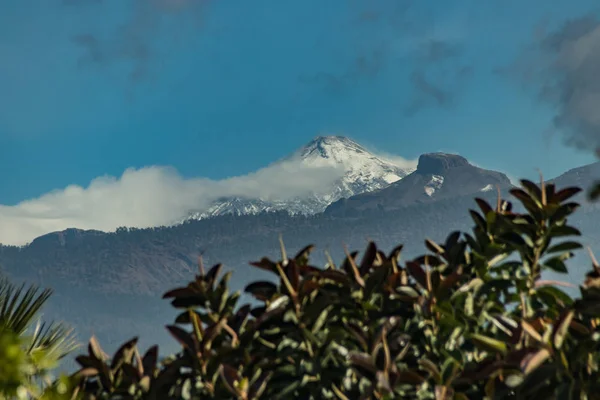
x,y
28,356
470,319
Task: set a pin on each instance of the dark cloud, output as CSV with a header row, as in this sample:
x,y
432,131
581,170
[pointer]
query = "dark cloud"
x,y
430,90
441,93
367,65
369,58
563,67
80,2
438,75
401,29
135,50
396,14
434,51
135,41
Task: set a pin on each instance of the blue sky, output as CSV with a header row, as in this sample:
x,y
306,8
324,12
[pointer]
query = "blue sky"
x,y
221,88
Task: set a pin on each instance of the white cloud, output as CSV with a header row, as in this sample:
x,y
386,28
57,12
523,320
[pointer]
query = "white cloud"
x,y
151,196
409,165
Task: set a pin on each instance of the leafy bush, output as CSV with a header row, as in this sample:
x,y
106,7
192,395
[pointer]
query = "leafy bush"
x,y
470,319
27,357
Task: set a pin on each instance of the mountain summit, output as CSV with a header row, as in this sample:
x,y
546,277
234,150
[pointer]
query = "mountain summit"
x,y
361,171
439,163
438,176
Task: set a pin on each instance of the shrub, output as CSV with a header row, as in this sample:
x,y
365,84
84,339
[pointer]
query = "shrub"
x,y
28,356
470,319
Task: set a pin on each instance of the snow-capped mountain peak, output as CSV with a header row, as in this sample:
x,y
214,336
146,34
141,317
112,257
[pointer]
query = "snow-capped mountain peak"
x,y
338,149
358,163
360,171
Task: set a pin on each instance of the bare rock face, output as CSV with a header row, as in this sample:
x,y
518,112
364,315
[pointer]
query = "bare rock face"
x,y
438,163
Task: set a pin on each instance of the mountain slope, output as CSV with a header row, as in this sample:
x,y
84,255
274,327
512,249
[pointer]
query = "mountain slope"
x,y
360,171
438,176
583,177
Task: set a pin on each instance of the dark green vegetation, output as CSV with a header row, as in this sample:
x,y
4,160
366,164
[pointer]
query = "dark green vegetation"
x,y
29,351
470,319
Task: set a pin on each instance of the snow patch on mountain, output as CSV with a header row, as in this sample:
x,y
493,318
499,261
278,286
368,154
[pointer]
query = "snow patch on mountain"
x,y
487,188
434,184
360,171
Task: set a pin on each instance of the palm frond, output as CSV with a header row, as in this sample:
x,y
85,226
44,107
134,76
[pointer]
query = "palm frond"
x,y
18,310
57,339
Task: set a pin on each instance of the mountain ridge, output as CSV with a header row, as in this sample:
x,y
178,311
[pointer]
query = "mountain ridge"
x,y
437,176
582,176
363,171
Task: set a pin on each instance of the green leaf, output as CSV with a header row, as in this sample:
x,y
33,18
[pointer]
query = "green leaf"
x,y
395,253
562,327
430,367
564,211
513,238
513,379
259,386
495,260
95,349
182,336
488,343
452,240
212,274
448,370
594,192
302,255
434,247
479,220
321,320
124,354
563,230
149,360
211,332
556,293
484,206
564,247
534,190
556,264
550,191
261,290
532,205
469,305
408,291
334,275
266,264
